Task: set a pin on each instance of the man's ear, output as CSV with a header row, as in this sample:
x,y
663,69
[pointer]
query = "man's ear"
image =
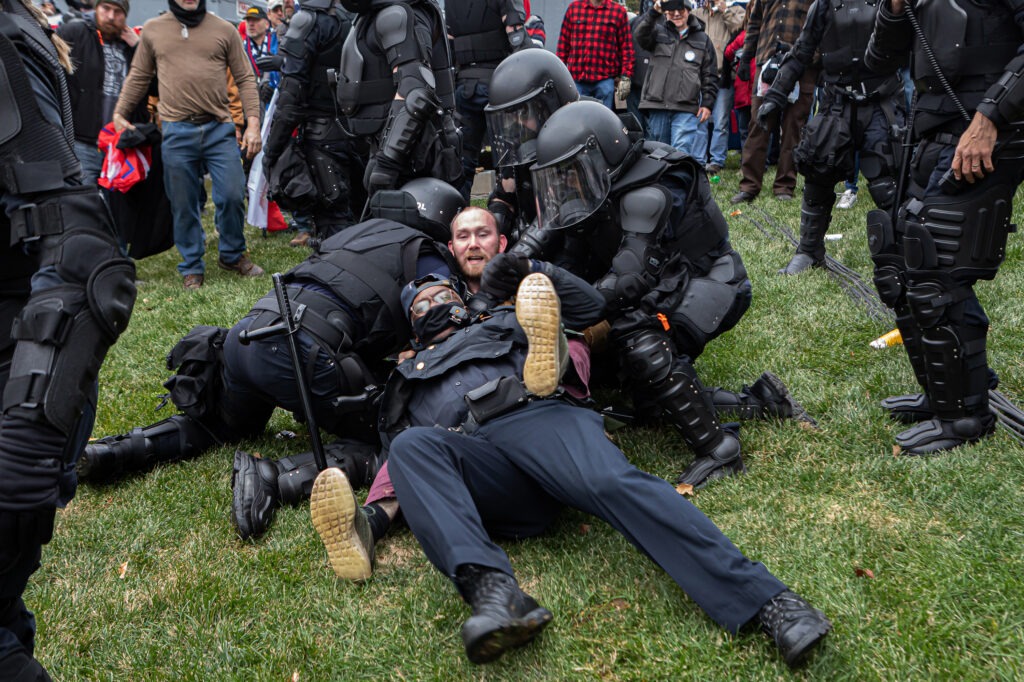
x,y
450,249
502,243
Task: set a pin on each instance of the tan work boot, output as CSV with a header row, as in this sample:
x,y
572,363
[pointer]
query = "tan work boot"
x,y
342,526
540,315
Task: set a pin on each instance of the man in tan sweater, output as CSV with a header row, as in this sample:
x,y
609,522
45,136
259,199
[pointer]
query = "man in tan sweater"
x,y
188,50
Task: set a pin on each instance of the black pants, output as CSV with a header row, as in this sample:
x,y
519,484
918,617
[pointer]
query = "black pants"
x,y
513,475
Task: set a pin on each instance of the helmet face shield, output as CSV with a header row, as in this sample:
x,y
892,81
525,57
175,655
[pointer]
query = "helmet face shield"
x,y
514,128
572,189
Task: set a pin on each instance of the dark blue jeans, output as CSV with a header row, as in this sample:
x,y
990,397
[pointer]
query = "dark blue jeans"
x,y
603,91
470,99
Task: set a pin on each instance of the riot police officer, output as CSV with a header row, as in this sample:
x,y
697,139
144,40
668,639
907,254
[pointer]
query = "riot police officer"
x,y
483,32
858,112
526,89
640,218
67,295
396,86
311,47
227,388
949,233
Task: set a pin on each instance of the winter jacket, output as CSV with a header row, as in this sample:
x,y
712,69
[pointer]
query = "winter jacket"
x,y
742,88
721,27
683,74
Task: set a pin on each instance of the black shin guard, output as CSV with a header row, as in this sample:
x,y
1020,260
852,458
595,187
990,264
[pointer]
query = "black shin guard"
x,y
173,439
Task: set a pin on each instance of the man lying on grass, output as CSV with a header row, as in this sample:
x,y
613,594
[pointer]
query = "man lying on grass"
x,y
485,444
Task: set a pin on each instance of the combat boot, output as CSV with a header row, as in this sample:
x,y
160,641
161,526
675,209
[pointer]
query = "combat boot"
x,y
933,436
255,494
767,398
795,626
909,409
539,314
342,526
504,617
815,217
173,439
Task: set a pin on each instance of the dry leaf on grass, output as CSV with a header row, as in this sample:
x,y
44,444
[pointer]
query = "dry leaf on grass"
x,y
685,489
736,213
896,450
122,571
584,528
863,572
295,676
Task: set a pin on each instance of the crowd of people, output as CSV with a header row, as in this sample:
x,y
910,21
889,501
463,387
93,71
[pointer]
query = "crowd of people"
x,y
451,349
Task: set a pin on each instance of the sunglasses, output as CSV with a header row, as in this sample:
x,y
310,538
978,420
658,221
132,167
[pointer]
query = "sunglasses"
x,y
421,307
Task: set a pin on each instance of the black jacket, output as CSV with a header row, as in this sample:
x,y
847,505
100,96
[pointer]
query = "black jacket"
x,y
85,85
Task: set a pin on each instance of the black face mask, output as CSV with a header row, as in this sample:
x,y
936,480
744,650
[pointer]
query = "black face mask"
x,y
436,320
190,18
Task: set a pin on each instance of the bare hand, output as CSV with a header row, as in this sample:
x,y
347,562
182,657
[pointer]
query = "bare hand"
x,y
703,114
897,6
657,7
720,5
129,37
120,123
251,142
973,155
406,355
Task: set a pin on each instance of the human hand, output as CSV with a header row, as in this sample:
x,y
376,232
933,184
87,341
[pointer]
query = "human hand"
x,y
503,274
251,143
973,155
897,6
768,114
657,7
270,62
129,37
622,87
743,70
120,123
703,114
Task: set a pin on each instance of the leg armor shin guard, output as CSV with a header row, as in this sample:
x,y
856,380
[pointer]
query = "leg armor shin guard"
x,y
815,218
65,330
173,439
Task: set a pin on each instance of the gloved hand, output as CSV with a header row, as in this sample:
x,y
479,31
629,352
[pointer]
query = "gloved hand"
x,y
743,70
266,91
770,110
381,173
503,274
622,87
270,62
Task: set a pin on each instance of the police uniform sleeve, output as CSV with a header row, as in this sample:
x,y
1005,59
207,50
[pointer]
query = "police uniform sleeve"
x,y
891,41
298,46
1004,101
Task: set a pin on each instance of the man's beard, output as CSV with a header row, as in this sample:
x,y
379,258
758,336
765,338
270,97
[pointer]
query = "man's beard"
x,y
110,32
473,269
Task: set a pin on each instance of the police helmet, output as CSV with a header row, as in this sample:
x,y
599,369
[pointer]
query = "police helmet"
x,y
427,204
526,88
579,151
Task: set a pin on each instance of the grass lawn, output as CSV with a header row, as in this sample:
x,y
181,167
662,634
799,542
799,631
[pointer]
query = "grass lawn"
x,y
917,562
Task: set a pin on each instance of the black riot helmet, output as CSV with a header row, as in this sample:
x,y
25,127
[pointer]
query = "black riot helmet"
x,y
427,204
580,150
526,88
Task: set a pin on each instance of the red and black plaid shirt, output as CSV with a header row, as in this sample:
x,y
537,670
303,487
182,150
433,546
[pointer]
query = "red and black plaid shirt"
x,y
595,42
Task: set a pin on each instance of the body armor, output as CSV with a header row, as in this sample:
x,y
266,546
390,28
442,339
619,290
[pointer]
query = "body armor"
x,y
478,33
842,46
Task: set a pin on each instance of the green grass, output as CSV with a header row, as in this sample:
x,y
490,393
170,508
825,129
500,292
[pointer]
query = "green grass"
x,y
942,536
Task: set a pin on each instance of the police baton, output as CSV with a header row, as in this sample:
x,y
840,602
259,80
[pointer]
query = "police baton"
x,y
289,326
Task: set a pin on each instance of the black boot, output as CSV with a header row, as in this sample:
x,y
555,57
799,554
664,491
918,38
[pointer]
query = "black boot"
x,y
908,409
767,398
504,617
255,495
171,440
796,626
815,217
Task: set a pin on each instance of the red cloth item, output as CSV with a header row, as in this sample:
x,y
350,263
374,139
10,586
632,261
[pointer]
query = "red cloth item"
x,y
595,42
122,168
743,88
275,219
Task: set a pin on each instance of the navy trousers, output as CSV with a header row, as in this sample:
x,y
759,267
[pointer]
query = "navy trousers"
x,y
514,474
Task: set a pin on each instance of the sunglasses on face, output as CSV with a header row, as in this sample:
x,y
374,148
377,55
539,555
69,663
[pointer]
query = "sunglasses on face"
x,y
444,296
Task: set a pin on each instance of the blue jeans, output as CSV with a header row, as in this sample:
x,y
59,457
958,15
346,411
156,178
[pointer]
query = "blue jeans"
x,y
91,159
719,144
604,91
633,107
677,128
186,147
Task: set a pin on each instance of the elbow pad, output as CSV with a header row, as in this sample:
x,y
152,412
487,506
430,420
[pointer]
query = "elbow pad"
x,y
1004,101
407,124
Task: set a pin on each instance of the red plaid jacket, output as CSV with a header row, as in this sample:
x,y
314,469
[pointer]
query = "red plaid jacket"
x,y
595,42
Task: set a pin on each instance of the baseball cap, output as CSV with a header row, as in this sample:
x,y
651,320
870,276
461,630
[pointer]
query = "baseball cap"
x,y
274,4
255,13
667,5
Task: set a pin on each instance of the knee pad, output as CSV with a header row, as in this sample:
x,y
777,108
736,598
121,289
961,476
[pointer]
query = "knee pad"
x,y
889,264
880,173
647,357
934,298
711,305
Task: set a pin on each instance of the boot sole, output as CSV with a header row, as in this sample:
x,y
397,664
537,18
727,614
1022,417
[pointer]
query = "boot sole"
x,y
800,413
495,640
539,313
333,509
799,653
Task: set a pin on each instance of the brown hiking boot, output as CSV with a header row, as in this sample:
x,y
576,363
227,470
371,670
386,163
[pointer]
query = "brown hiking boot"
x,y
243,266
301,240
192,282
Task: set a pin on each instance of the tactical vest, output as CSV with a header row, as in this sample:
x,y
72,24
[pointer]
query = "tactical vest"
x,y
845,40
478,33
973,41
703,227
36,155
366,87
365,266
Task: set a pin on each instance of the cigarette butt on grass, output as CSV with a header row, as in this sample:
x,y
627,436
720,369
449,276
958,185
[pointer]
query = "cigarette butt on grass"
x,y
892,338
